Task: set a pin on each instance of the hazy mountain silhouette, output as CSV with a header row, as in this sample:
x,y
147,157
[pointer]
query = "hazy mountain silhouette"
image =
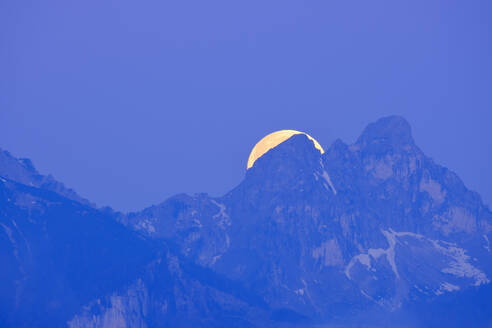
x,y
370,234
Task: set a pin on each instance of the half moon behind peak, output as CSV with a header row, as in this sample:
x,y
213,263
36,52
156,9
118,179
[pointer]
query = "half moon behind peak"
x,y
274,139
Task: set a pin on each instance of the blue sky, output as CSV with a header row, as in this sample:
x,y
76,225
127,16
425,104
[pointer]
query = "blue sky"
x,y
129,102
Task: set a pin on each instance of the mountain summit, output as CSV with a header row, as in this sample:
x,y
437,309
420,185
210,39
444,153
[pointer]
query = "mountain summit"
x,y
296,151
393,131
362,235
295,164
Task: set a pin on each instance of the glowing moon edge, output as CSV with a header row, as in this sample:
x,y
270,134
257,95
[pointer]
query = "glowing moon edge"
x,y
272,140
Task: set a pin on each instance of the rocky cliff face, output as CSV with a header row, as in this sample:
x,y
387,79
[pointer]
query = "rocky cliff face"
x,y
365,234
373,223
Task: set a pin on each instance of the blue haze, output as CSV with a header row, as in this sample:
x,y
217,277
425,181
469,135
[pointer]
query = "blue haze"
x,y
130,102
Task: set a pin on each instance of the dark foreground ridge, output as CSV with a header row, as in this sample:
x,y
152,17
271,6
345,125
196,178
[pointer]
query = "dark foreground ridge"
x,y
371,234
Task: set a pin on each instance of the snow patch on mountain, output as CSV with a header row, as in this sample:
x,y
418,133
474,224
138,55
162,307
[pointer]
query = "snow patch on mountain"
x,y
225,220
363,259
326,177
376,253
222,209
459,265
146,225
487,247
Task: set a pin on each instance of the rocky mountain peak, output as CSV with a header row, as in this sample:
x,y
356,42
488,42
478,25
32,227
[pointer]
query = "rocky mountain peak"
x,y
288,166
287,174
295,153
393,131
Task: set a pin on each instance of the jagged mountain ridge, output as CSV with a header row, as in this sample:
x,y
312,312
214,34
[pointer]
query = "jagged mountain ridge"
x,y
376,222
361,235
23,171
68,264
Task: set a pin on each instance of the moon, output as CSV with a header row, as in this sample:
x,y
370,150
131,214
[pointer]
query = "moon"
x,y
273,140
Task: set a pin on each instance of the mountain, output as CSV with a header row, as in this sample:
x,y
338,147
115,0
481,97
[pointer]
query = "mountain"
x,y
22,170
68,264
373,234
